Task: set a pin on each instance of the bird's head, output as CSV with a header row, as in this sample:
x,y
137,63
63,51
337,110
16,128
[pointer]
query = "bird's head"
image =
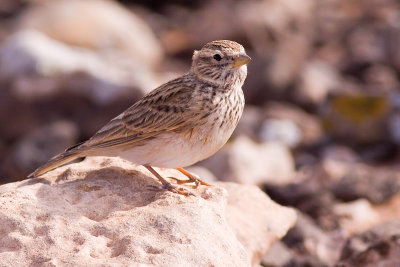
x,y
221,62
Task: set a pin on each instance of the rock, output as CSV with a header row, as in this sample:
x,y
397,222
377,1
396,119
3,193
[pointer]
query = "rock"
x,y
247,223
356,216
372,183
247,162
38,66
253,163
278,255
394,127
249,123
310,127
381,78
317,80
338,160
379,246
315,246
390,210
269,26
310,193
284,131
359,215
365,44
36,147
99,25
101,212
340,153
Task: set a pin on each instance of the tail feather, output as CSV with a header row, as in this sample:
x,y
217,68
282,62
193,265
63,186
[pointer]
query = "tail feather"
x,y
56,162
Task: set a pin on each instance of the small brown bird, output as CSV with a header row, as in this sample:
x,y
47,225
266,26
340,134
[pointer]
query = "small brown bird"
x,y
179,123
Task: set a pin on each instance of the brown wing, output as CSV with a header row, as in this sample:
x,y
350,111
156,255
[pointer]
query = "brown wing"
x,y
165,109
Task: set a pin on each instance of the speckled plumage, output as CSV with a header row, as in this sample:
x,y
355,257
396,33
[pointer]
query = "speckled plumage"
x,y
179,123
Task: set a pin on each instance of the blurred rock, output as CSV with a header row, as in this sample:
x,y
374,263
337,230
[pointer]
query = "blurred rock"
x,y
247,162
317,80
356,216
106,215
314,246
394,127
338,160
278,255
102,26
390,210
309,125
379,246
39,67
340,153
310,193
10,6
280,31
381,78
375,184
249,123
366,44
284,131
40,145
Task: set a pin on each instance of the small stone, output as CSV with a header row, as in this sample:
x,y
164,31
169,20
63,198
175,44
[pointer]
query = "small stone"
x,y
253,163
379,246
309,128
316,247
317,80
284,131
375,184
356,216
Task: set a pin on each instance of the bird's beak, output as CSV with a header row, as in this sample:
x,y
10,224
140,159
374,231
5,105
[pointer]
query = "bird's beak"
x,y
241,60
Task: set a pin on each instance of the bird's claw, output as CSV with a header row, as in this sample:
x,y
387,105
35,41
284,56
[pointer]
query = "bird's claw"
x,y
171,188
194,180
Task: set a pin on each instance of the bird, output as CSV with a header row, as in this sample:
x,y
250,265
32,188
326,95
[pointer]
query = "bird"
x,y
179,123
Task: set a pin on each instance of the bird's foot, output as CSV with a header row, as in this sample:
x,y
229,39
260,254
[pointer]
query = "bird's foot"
x,y
194,180
171,188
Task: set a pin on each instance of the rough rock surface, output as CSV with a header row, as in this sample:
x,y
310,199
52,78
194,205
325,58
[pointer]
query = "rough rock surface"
x,y
102,212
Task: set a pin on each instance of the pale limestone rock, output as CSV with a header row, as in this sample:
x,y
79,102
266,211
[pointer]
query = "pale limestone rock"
x,y
99,25
356,216
247,162
253,163
101,212
38,66
317,80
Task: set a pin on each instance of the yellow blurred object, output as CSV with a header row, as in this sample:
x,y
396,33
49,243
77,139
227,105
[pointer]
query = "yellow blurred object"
x,y
361,117
360,108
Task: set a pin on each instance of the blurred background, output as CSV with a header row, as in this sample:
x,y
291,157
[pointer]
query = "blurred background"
x,y
321,127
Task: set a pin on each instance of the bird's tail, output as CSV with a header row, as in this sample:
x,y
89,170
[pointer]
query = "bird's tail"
x,y
56,162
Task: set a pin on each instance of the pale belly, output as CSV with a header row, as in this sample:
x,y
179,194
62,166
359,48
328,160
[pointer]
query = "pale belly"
x,y
177,150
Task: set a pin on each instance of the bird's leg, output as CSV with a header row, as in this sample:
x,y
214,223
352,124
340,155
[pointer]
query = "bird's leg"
x,y
192,178
165,184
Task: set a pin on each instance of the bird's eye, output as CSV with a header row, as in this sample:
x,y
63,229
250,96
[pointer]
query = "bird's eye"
x,y
217,57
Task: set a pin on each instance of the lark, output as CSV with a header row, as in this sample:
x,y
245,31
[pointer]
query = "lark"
x,y
177,124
